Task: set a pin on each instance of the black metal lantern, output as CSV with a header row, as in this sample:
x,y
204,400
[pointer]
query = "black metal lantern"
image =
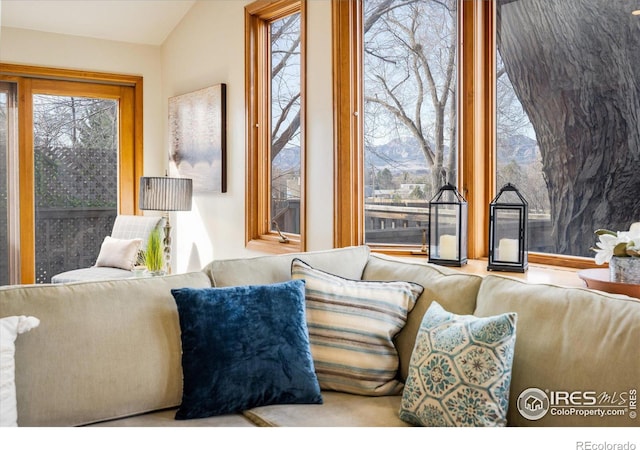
x,y
508,241
448,227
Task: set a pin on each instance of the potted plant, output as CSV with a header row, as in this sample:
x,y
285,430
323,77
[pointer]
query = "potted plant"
x,y
622,251
154,253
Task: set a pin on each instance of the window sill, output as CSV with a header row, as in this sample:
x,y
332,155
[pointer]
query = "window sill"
x,y
536,272
272,244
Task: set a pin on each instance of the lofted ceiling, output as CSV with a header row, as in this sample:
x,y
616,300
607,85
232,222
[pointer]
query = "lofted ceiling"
x,y
135,21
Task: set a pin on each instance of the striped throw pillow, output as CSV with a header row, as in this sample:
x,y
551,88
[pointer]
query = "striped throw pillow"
x,y
352,324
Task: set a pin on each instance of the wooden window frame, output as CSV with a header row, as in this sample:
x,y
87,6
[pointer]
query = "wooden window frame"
x,y
349,125
476,125
126,88
348,191
258,232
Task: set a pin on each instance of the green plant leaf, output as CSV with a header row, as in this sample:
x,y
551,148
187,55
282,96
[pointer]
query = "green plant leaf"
x,y
154,254
620,249
602,231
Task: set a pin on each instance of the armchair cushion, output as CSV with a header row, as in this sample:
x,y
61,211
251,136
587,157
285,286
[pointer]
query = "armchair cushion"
x,y
132,227
91,274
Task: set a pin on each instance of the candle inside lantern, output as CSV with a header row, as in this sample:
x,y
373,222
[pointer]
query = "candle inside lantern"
x,y
448,244
508,250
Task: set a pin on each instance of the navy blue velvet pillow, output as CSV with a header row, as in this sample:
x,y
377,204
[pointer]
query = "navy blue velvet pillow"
x,y
244,347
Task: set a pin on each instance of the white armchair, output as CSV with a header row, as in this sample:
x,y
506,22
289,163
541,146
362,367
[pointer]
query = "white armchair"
x,y
125,227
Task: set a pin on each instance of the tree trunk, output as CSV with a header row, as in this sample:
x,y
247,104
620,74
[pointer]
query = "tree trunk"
x,y
574,65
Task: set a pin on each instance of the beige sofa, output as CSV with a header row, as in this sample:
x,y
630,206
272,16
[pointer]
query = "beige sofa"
x,y
108,353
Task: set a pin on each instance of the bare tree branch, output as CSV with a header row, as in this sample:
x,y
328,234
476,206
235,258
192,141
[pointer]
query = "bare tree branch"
x,y
382,9
286,136
399,112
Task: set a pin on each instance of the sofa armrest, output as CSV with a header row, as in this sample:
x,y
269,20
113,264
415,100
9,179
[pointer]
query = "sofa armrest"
x,y
569,340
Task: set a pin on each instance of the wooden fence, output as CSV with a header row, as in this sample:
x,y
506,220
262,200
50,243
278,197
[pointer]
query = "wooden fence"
x,y
69,238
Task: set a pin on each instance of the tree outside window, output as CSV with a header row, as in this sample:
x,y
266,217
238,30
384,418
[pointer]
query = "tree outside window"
x,y
567,102
410,129
568,127
285,123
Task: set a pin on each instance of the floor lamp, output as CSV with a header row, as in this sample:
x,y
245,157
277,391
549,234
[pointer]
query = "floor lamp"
x,y
165,194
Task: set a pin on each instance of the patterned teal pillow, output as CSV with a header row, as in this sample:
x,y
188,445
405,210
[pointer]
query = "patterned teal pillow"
x,y
460,370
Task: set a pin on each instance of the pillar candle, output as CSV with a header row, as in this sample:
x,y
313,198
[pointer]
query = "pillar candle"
x,y
508,250
448,244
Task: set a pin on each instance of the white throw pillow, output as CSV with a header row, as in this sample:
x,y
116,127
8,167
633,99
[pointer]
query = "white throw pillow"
x,y
10,327
118,253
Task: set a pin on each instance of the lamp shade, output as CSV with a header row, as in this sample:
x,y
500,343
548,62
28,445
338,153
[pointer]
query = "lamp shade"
x,y
165,194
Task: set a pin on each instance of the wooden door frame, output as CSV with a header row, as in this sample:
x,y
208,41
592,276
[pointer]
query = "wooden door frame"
x,y
126,88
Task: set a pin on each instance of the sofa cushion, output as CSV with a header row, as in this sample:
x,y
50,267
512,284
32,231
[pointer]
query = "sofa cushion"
x,y
339,409
571,341
167,418
243,347
347,262
118,253
456,292
10,327
460,370
352,324
103,350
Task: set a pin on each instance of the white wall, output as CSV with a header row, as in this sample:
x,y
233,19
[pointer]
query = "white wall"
x,y
207,48
28,47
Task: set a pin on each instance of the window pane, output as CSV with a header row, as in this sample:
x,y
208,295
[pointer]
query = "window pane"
x,y
76,180
568,134
410,114
4,226
285,123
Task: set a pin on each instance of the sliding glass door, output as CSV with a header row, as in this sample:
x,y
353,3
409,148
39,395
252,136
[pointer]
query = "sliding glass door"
x,y
7,102
70,158
75,150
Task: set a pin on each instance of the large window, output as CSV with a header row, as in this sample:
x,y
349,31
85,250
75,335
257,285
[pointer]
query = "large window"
x,y
568,130
396,106
275,125
72,156
548,101
410,140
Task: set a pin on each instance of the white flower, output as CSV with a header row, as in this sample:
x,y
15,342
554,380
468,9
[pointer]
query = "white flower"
x,y
604,248
622,243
